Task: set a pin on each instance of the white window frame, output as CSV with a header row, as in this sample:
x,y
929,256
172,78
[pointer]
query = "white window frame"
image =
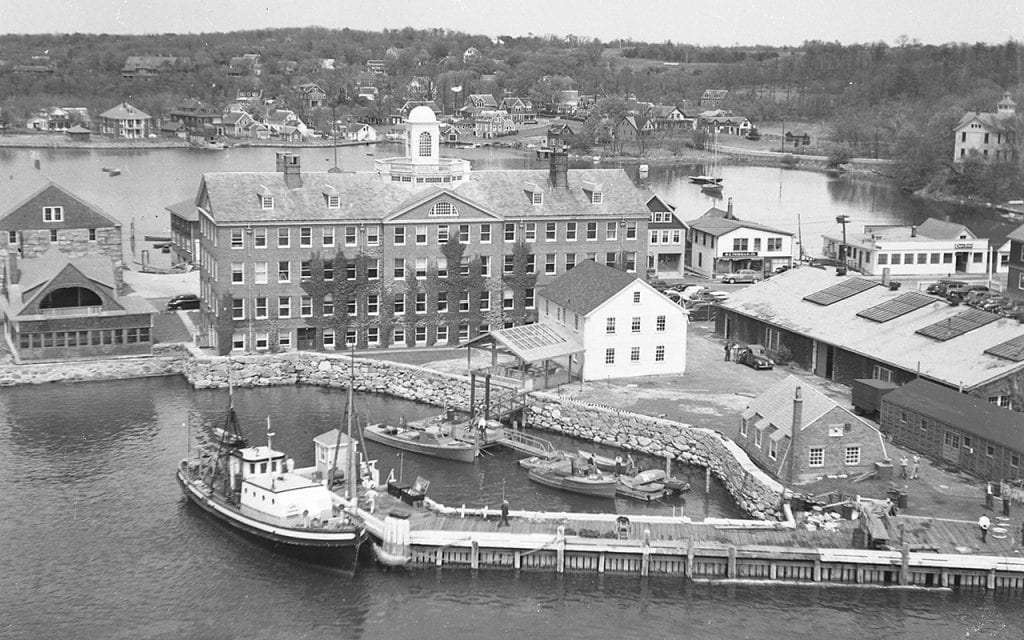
x,y
816,457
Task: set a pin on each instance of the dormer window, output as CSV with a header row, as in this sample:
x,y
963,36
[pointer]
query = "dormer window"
x,y
594,191
53,214
267,202
333,201
534,192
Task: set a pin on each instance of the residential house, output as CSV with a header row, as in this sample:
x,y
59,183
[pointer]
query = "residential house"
x,y
311,95
722,243
724,122
845,328
284,121
199,118
519,109
799,435
377,67
989,135
248,64
56,307
566,102
798,137
493,123
369,93
450,134
361,132
236,124
249,97
148,66
79,133
631,129
626,328
933,248
712,99
477,102
667,242
125,121
963,431
670,117
471,55
558,134
173,129
266,238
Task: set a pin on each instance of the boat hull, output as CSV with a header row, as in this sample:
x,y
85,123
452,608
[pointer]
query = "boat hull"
x,y
460,452
335,548
585,485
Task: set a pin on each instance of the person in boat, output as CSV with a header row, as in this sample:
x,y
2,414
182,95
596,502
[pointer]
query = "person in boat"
x,y
371,497
618,465
592,465
630,465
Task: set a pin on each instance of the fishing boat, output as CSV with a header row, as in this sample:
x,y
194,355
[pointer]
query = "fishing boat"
x,y
712,188
712,178
646,486
432,441
604,463
564,474
257,490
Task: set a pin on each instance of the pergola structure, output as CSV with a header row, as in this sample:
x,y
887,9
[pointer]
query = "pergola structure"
x,y
544,354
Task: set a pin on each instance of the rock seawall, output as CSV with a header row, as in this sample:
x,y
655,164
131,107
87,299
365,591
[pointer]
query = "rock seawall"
x,y
167,360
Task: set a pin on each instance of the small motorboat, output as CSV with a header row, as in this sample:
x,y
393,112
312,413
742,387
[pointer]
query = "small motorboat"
x,y
565,474
604,463
647,486
432,441
711,188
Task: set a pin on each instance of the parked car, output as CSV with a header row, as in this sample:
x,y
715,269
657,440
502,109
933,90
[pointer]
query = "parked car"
x,y
941,286
755,357
994,303
977,298
956,295
742,275
183,301
691,290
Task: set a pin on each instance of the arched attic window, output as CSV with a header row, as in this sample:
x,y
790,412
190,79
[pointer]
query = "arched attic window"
x,y
70,297
425,144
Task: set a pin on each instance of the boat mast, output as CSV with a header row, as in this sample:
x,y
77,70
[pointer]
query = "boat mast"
x,y
270,454
350,486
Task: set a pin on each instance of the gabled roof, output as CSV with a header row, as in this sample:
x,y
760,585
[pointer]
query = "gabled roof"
x,y
1017,234
776,404
992,122
586,286
33,192
941,230
186,209
717,222
973,415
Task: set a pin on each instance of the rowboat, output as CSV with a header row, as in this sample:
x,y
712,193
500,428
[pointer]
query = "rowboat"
x,y
429,442
561,474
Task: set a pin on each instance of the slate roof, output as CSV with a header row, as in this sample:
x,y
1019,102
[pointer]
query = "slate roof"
x,y
966,412
960,360
941,230
714,222
1017,234
586,286
186,210
991,121
776,404
369,196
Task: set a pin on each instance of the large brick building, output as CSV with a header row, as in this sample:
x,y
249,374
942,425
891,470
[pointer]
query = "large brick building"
x,y
421,251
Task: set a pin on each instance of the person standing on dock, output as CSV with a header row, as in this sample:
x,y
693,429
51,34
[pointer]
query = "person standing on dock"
x,y
504,514
983,523
903,467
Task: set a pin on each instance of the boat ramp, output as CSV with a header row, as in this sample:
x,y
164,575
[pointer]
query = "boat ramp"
x,y
929,552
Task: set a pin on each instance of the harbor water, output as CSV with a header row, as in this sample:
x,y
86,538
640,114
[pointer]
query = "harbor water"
x,y
98,542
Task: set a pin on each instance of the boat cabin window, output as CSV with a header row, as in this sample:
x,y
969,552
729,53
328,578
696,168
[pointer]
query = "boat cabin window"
x,y
263,467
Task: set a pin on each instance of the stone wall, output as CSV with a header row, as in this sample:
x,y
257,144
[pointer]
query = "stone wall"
x,y
753,490
163,362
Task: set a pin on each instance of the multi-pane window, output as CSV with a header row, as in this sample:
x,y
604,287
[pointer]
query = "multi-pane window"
x,y
420,334
659,323
305,270
284,237
399,270
773,448
609,326
328,305
333,201
485,301
262,340
442,301
485,233
259,238
350,236
774,244
237,341
53,214
421,268
634,354
510,232
816,457
609,355
529,299
611,231
372,335
373,235
284,307
237,273
659,353
630,231
421,302
464,233
306,306
328,338
610,259
329,270
442,267
570,231
351,308
53,235
425,145
260,309
237,239
284,339
372,304
851,455
398,336
629,261
464,301
442,233
485,266
442,334
266,202
531,263
399,304
550,232
305,236
570,261
372,269
259,272
399,236
591,231
531,231
238,308
549,263
635,325
421,234
509,265
739,244
350,271
463,332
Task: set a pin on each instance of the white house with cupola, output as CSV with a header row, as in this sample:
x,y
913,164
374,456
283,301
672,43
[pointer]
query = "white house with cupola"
x,y
987,135
721,243
933,248
624,327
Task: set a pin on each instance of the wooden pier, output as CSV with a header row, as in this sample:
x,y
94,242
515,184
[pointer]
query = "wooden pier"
x,y
932,553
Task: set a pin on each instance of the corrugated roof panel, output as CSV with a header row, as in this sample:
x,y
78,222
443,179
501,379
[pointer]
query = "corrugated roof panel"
x,y
840,291
1012,350
957,325
898,306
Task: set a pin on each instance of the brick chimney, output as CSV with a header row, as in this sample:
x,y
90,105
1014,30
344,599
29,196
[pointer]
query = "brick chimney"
x,y
913,231
558,170
288,164
728,211
794,438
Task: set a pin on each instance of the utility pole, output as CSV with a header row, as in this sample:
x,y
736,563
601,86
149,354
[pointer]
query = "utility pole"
x,y
843,219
